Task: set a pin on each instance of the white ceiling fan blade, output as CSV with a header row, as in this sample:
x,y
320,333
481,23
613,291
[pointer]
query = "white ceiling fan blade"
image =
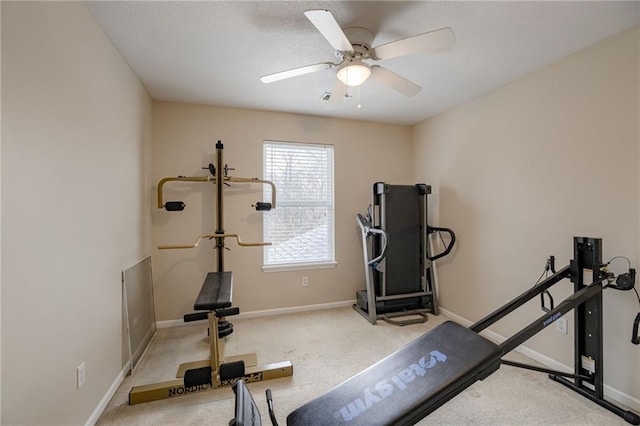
x,y
329,28
337,94
394,81
270,78
433,40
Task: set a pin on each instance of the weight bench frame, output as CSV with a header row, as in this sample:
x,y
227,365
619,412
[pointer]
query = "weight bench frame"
x,y
215,299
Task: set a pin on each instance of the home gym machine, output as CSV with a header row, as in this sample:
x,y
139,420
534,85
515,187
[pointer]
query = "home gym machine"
x,y
214,303
409,384
399,273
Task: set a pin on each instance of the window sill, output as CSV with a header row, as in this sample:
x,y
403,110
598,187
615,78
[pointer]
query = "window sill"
x,y
298,266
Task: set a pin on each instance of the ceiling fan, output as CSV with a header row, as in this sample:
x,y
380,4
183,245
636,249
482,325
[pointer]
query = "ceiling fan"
x,y
353,47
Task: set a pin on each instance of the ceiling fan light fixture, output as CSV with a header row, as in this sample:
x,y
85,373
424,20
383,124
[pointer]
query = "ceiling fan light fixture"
x,y
354,73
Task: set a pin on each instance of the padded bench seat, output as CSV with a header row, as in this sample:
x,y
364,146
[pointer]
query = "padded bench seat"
x,y
407,385
215,292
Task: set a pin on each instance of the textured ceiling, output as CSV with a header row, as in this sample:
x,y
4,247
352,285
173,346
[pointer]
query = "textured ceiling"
x,y
215,52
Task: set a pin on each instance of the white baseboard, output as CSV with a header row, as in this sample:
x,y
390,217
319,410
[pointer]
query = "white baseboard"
x,y
296,309
173,323
609,392
266,313
95,416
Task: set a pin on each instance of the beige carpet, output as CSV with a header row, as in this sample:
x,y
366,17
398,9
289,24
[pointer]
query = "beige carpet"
x,y
327,347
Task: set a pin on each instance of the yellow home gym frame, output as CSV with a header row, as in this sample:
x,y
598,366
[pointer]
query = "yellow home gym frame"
x,y
214,304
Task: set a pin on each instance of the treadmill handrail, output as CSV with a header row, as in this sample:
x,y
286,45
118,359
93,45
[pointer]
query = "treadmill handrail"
x,y
432,229
368,230
384,244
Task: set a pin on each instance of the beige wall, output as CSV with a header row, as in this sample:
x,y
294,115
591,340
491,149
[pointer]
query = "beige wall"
x,y
520,171
184,139
75,197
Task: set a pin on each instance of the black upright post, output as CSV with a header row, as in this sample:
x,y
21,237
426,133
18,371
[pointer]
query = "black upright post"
x,y
219,207
588,352
587,254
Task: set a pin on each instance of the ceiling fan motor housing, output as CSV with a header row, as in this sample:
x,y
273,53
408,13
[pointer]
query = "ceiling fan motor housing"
x,y
361,39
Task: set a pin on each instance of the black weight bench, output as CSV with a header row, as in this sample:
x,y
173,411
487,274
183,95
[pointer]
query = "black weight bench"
x,y
216,292
403,387
408,384
215,296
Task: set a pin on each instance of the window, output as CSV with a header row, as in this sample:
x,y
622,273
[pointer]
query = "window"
x,y
300,228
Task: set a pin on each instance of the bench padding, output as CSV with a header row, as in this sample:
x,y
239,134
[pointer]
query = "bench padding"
x,y
215,292
408,384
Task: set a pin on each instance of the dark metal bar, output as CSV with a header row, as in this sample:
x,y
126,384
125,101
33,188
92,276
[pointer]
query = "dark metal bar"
x,y
520,300
536,326
587,254
220,207
541,369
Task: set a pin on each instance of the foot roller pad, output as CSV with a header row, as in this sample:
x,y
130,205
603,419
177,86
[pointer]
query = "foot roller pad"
x,y
231,370
407,385
197,377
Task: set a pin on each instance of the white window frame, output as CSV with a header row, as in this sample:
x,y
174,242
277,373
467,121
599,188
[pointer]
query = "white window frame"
x,y
327,260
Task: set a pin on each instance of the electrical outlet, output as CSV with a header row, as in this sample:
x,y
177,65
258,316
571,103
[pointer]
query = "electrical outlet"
x,y
561,325
81,374
305,282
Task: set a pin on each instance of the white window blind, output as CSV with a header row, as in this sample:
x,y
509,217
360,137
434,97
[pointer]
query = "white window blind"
x,y
301,227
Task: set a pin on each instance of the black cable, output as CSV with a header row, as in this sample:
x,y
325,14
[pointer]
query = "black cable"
x,y
623,282
635,337
272,414
540,279
545,274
